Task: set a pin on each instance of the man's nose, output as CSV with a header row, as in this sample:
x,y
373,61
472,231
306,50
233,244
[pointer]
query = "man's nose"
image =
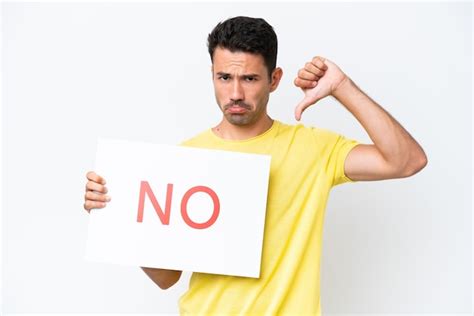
x,y
237,91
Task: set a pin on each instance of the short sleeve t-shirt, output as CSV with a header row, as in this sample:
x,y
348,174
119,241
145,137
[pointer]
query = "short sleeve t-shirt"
x,y
306,163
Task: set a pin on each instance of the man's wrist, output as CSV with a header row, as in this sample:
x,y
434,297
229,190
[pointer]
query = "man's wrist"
x,y
343,89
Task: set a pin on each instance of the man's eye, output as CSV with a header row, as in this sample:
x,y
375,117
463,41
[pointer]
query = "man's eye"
x,y
250,79
224,78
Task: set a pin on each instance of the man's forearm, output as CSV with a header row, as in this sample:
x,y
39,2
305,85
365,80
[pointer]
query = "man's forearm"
x,y
394,143
162,277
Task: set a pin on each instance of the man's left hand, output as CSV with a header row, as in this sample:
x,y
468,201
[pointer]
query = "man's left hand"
x,y
319,78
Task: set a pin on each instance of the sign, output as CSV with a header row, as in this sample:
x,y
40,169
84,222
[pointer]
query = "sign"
x,y
180,208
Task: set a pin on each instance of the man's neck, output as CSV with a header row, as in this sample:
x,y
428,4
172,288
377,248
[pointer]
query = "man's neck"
x,y
230,131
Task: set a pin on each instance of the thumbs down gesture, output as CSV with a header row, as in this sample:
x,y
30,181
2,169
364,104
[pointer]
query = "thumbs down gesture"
x,y
319,78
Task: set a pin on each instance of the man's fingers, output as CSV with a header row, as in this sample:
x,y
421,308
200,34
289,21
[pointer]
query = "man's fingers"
x,y
315,70
306,75
319,62
92,196
93,186
305,84
95,192
92,176
309,76
89,205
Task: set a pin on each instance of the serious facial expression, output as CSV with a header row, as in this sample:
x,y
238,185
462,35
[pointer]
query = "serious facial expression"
x,y
241,84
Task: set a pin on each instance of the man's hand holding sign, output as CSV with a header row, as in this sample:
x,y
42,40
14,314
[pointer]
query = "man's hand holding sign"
x,y
96,198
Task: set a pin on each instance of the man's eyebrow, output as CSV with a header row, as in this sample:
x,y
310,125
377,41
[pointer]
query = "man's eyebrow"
x,y
220,73
251,75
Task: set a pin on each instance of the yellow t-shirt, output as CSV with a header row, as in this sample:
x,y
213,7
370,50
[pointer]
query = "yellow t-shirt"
x,y
306,162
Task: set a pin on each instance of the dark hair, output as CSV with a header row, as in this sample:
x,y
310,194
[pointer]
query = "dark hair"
x,y
246,34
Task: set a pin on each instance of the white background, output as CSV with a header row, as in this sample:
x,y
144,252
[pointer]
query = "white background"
x,y
73,72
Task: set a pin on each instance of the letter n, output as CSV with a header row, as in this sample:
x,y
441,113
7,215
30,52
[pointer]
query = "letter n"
x,y
146,189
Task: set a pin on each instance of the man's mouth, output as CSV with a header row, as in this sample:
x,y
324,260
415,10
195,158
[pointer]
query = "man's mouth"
x,y
235,109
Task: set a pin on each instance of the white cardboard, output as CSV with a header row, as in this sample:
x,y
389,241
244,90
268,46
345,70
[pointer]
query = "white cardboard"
x,y
230,246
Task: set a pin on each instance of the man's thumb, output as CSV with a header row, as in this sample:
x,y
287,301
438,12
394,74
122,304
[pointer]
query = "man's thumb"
x,y
306,102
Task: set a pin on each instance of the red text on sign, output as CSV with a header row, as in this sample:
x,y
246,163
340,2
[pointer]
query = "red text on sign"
x,y
164,216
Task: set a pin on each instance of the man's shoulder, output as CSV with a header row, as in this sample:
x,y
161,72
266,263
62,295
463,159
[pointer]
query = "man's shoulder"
x,y
197,139
302,133
298,130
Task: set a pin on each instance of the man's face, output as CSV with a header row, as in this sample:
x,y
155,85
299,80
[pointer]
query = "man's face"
x,y
242,86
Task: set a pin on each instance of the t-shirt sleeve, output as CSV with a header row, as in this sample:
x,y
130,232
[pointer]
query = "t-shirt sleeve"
x,y
333,149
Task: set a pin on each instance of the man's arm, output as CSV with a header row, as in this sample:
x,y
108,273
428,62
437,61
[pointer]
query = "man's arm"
x,y
394,154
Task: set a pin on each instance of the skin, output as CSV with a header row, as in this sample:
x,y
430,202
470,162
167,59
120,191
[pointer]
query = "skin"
x,y
242,79
242,87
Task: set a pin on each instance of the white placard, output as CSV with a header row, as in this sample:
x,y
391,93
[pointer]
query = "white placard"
x,y
180,208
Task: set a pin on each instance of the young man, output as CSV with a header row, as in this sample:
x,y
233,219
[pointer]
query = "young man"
x,y
306,163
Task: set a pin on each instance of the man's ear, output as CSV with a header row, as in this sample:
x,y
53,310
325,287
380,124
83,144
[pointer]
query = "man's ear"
x,y
276,77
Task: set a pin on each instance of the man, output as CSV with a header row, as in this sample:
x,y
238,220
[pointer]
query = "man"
x,y
306,163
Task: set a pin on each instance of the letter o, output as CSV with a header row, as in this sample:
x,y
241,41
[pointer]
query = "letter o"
x,y
184,205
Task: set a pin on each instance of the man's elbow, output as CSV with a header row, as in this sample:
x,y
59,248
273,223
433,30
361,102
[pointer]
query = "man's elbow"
x,y
169,281
162,277
415,165
167,285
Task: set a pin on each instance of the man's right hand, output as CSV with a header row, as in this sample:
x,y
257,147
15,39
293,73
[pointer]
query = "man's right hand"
x,y
95,196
